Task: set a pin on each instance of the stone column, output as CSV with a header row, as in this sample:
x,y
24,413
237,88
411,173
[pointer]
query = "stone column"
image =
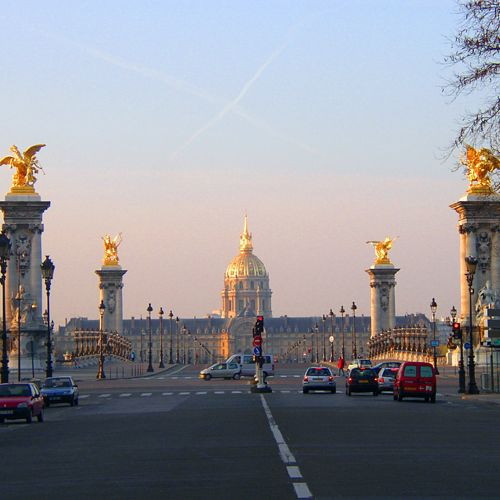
x,y
478,225
23,225
110,292
383,297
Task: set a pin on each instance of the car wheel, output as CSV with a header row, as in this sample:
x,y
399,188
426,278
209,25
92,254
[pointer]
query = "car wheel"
x,y
2,420
375,393
40,416
72,401
400,395
348,392
208,376
47,403
394,396
334,390
29,418
76,402
305,391
433,398
236,376
426,399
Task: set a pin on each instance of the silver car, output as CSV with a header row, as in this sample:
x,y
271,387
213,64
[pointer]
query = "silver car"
x,y
221,370
319,378
386,378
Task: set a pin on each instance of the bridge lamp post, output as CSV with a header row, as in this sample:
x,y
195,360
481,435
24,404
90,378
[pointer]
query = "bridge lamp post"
x,y
150,346
48,268
170,358
177,359
471,263
354,343
342,312
100,369
434,307
461,369
324,337
4,257
332,316
160,313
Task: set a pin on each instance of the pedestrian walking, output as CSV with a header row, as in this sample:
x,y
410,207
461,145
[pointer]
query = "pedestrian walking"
x,y
340,365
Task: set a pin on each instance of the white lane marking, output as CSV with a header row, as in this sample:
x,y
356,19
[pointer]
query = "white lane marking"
x,y
83,396
201,392
302,491
166,393
219,392
125,395
184,393
283,376
293,472
285,392
160,378
146,394
174,378
104,395
236,392
296,376
341,392
286,454
187,378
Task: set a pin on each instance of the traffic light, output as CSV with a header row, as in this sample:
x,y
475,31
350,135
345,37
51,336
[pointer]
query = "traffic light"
x,y
455,328
259,326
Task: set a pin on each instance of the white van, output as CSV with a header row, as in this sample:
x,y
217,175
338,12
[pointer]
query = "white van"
x,y
247,364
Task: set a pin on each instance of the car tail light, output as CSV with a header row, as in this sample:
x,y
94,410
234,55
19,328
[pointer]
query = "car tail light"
x,y
349,379
382,380
376,379
306,379
330,378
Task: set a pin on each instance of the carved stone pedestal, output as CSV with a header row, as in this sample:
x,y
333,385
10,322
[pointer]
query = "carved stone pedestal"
x,y
110,292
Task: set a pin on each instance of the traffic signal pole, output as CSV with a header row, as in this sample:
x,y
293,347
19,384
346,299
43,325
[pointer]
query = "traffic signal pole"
x,y
259,385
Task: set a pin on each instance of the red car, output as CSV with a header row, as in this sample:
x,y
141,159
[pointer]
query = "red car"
x,y
417,380
20,401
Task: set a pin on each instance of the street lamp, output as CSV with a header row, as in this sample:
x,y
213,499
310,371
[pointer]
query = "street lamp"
x,y
177,358
311,331
434,307
150,353
47,274
100,369
332,316
461,369
160,313
324,337
316,331
4,257
184,332
342,312
170,358
354,346
471,263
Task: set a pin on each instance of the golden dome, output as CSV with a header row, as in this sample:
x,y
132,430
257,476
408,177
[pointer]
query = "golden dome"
x,y
246,264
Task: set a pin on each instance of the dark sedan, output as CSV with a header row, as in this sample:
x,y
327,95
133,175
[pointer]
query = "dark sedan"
x,y
361,380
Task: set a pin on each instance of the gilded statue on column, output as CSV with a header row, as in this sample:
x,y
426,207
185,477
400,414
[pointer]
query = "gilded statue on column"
x,y
111,249
382,250
26,166
480,164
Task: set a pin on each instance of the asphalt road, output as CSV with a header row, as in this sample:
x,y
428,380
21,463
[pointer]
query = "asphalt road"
x,y
175,436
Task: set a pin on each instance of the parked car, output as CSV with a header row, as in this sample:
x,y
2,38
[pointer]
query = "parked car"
x,y
361,380
386,378
20,401
360,363
387,364
417,380
318,378
221,370
247,364
60,390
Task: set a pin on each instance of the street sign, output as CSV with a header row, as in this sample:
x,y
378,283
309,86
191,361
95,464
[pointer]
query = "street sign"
x,y
331,339
434,343
467,345
257,341
257,351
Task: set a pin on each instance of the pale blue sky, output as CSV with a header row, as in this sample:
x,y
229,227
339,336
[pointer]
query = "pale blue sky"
x,y
324,120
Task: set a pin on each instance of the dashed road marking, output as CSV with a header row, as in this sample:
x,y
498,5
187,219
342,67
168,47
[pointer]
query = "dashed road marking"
x,y
219,392
302,490
104,395
146,394
285,392
125,395
83,396
293,472
166,393
236,392
184,393
201,392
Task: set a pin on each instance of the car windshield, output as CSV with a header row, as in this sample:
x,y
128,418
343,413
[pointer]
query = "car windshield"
x,y
15,390
57,382
318,372
365,362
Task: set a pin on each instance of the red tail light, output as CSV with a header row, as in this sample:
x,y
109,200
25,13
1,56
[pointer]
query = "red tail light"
x,y
330,378
376,379
306,379
381,380
349,379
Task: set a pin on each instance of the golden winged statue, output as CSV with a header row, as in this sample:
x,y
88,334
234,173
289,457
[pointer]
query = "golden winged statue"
x,y
26,166
480,163
111,249
382,250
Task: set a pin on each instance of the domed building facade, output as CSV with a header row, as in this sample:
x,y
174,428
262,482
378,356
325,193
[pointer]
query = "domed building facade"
x,y
246,283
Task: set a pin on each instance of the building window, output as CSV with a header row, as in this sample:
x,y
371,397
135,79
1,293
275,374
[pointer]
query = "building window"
x,y
240,285
252,304
240,305
251,285
263,305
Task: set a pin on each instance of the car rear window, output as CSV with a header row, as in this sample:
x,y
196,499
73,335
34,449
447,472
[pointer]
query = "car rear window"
x,y
14,390
357,373
318,372
425,371
388,373
410,371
